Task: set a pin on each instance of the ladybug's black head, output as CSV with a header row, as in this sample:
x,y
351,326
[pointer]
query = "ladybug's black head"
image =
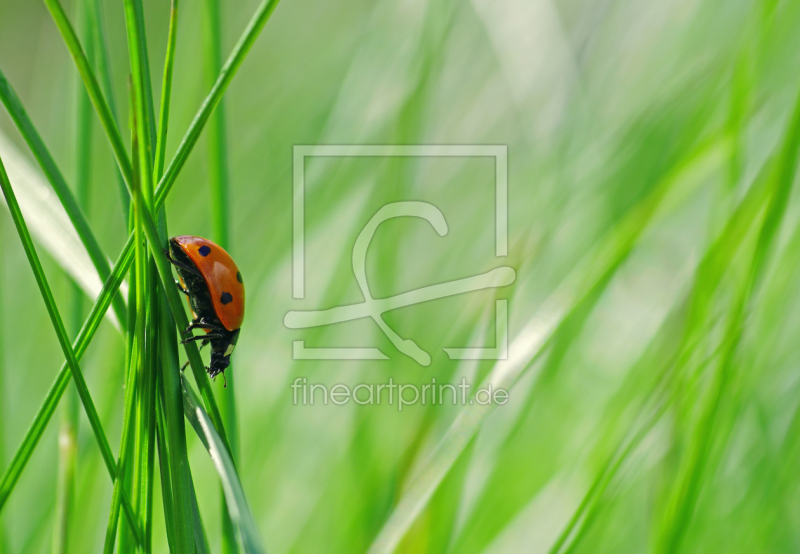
x,y
219,362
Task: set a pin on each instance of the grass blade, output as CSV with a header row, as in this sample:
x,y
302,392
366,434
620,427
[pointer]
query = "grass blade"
x,y
68,434
49,223
122,464
166,92
61,332
17,112
176,306
92,88
224,79
97,24
180,474
236,500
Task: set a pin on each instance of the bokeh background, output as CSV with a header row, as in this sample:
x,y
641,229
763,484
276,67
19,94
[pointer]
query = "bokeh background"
x,y
652,365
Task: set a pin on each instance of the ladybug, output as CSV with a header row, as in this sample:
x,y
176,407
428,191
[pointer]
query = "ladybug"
x,y
213,284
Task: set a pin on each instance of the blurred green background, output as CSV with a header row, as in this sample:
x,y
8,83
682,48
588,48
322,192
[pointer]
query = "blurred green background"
x,y
648,144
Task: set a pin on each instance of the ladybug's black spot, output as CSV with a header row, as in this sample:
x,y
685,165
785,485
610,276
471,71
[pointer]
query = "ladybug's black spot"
x,y
204,250
226,298
239,276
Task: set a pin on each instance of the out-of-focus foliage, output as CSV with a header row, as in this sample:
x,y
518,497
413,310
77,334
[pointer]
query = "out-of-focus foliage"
x,y
648,147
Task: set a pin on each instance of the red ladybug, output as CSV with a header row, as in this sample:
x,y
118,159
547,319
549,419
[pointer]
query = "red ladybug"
x,y
213,283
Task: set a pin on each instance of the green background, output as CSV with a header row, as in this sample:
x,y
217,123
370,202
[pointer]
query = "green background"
x,y
635,131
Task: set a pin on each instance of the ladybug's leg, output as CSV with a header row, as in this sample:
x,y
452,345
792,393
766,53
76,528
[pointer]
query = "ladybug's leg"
x,y
183,266
205,342
201,323
204,337
180,287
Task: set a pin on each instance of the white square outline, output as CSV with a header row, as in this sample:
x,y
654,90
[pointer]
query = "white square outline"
x,y
301,151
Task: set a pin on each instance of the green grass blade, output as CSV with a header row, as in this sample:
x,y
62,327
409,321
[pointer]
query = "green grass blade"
x,y
144,143
60,330
166,92
23,454
142,99
149,408
92,88
47,163
163,460
237,502
97,24
176,306
180,473
68,433
124,456
227,73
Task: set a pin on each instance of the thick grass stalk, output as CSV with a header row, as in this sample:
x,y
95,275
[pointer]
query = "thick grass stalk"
x,y
218,178
61,333
182,519
183,535
26,128
182,322
147,301
135,452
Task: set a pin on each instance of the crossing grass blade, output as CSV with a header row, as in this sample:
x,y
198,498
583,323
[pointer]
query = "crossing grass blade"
x,y
234,493
213,98
26,128
68,433
100,42
63,339
157,246
92,88
45,413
